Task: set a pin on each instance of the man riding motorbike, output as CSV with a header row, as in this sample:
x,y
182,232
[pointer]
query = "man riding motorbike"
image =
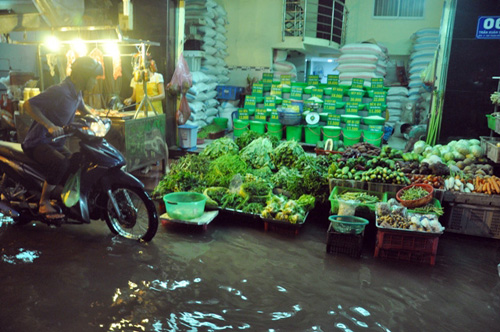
x,y
51,110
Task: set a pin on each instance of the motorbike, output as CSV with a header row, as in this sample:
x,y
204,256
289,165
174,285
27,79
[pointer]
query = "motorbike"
x,y
107,192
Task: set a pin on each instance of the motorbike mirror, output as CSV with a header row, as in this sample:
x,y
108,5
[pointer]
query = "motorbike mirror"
x,y
113,102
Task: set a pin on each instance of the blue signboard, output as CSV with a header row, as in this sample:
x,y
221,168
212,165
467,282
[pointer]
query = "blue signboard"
x,y
488,27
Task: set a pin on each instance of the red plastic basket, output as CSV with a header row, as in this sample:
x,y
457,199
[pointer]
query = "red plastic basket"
x,y
411,246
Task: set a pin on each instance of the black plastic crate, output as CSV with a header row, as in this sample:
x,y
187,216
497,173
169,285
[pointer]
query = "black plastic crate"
x,y
349,244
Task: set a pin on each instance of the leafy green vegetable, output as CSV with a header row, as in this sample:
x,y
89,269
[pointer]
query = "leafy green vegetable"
x,y
215,195
211,128
258,153
254,208
222,170
246,138
287,153
186,174
220,147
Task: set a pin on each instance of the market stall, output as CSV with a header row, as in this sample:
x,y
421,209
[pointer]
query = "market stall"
x,y
140,134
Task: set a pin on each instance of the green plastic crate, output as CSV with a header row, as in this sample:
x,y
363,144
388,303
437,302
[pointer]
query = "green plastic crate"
x,y
337,191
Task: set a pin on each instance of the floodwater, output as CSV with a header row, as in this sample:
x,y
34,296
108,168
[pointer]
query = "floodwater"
x,y
236,276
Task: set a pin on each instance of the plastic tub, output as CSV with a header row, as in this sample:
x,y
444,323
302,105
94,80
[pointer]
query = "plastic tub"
x,y
221,122
240,126
258,126
275,129
289,118
294,133
185,205
312,134
374,120
351,137
332,132
373,137
348,224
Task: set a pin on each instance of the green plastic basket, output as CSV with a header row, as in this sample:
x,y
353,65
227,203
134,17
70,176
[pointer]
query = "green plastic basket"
x,y
185,205
338,191
348,224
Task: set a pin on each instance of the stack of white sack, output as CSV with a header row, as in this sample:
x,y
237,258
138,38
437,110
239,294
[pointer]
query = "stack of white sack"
x,y
424,46
395,100
362,60
425,43
227,109
213,70
283,67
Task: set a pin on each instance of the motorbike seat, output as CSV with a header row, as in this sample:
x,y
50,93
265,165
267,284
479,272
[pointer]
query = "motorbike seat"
x,y
14,151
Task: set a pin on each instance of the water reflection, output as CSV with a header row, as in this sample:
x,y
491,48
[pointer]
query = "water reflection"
x,y
233,278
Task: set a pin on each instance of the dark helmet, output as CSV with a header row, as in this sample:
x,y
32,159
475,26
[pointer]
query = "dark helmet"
x,y
84,68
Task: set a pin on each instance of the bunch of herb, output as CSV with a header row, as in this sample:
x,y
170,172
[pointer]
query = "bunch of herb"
x,y
186,174
220,147
275,141
255,189
263,172
253,208
258,153
287,179
215,195
246,138
222,170
287,153
233,200
179,181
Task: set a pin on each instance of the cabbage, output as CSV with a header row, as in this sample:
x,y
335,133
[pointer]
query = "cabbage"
x,y
458,155
476,150
419,147
474,142
452,144
462,148
444,150
448,156
434,159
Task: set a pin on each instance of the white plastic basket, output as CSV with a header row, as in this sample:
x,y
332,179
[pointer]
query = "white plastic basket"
x,y
193,59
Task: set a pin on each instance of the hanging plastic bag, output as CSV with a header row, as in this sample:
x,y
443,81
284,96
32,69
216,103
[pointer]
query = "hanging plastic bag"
x,y
184,112
181,80
71,191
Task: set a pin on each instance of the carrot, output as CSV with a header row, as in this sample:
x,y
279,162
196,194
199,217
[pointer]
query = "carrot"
x,y
487,188
494,185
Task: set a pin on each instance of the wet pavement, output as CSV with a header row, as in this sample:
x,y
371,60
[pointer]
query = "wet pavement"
x,y
237,276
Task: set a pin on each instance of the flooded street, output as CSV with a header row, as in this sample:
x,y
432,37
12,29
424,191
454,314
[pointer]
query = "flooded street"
x,y
236,276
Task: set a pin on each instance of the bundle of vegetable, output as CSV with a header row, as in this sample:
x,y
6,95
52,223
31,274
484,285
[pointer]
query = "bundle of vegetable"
x,y
361,197
222,170
246,138
293,211
255,189
219,147
258,153
287,153
215,196
187,174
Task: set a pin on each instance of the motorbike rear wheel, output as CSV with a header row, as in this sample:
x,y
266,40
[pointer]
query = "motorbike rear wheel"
x,y
140,220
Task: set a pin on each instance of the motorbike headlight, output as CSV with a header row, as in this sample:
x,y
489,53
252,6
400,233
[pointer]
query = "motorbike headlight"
x,y
100,127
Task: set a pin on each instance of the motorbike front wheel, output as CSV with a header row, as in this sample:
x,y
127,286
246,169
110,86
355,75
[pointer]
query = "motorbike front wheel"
x,y
139,218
